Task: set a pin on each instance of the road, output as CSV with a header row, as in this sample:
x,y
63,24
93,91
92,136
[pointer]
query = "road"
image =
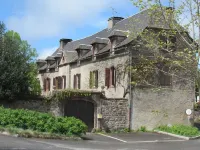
x,y
133,141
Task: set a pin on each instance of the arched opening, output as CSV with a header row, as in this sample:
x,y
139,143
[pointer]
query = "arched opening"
x,y
81,109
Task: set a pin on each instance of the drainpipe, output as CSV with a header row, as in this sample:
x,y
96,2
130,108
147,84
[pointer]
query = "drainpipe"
x,y
130,88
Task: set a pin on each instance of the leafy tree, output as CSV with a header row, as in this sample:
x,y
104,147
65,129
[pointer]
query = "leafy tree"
x,y
168,50
17,68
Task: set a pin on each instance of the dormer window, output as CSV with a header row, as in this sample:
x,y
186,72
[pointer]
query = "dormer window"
x,y
98,44
50,60
116,37
82,49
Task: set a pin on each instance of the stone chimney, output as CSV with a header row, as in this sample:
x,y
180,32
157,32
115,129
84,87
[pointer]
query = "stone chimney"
x,y
113,20
63,42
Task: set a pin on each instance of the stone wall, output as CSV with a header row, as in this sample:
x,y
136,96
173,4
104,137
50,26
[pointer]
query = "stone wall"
x,y
153,108
31,104
115,114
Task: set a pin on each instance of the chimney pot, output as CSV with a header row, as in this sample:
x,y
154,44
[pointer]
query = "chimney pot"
x,y
113,20
63,42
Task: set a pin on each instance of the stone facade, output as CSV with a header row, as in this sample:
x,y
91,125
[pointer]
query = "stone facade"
x,y
115,114
153,107
31,104
77,59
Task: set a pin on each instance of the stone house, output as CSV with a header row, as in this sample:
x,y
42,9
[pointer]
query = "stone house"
x,y
93,63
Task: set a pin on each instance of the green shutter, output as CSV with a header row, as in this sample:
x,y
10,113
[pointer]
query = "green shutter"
x,y
90,80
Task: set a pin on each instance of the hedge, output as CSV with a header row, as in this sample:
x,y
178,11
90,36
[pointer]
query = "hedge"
x,y
42,122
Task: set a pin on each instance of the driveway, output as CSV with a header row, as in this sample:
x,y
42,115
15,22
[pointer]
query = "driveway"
x,y
132,141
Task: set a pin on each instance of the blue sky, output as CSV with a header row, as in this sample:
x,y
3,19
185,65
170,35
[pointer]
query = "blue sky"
x,y
43,22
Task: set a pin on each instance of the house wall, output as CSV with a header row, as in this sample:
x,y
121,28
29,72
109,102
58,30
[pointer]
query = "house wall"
x,y
85,68
152,107
63,71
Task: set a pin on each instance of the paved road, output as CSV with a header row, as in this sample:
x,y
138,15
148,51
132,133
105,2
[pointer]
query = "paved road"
x,y
133,141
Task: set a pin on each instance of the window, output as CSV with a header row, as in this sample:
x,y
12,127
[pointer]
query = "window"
x,y
47,85
168,43
93,83
54,83
164,77
110,77
64,79
59,83
77,81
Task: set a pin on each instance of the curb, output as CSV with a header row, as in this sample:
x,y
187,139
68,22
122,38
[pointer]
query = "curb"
x,y
178,136
8,134
32,136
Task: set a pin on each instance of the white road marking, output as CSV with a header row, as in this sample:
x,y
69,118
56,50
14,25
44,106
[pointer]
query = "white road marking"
x,y
112,137
156,141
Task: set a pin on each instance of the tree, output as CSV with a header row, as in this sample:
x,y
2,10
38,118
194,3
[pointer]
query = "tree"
x,y
17,65
165,51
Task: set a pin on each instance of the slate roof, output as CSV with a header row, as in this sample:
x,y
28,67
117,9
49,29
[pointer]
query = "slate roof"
x,y
50,58
83,46
43,67
70,56
41,61
136,23
52,66
100,40
118,33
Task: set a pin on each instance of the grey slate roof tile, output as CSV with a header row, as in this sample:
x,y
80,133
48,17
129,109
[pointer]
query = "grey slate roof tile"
x,y
43,67
134,24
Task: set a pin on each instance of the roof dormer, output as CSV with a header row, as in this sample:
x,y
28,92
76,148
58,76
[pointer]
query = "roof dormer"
x,y
40,63
82,49
116,37
97,45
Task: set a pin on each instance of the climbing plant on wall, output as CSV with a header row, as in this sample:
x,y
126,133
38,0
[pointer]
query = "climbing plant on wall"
x,y
59,95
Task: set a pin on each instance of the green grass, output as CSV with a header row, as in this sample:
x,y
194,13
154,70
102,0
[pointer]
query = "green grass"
x,y
183,130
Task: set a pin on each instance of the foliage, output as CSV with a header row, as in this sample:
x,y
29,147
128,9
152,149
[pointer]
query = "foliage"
x,y
166,51
197,106
60,95
143,129
42,122
35,134
17,65
180,130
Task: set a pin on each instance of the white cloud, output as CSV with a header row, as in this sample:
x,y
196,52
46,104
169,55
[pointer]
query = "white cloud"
x,y
47,52
50,18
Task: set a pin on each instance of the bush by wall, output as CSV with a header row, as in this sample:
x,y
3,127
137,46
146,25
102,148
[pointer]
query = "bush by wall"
x,y
180,130
42,122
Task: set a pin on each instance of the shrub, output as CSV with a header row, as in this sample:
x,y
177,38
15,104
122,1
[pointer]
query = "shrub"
x,y
143,129
180,130
42,122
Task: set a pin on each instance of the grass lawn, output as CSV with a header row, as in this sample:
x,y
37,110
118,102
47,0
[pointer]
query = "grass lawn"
x,y
183,130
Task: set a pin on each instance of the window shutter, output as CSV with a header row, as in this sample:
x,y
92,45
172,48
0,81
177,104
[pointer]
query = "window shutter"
x,y
107,77
74,81
49,84
115,75
96,79
90,80
54,82
64,78
44,85
79,81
